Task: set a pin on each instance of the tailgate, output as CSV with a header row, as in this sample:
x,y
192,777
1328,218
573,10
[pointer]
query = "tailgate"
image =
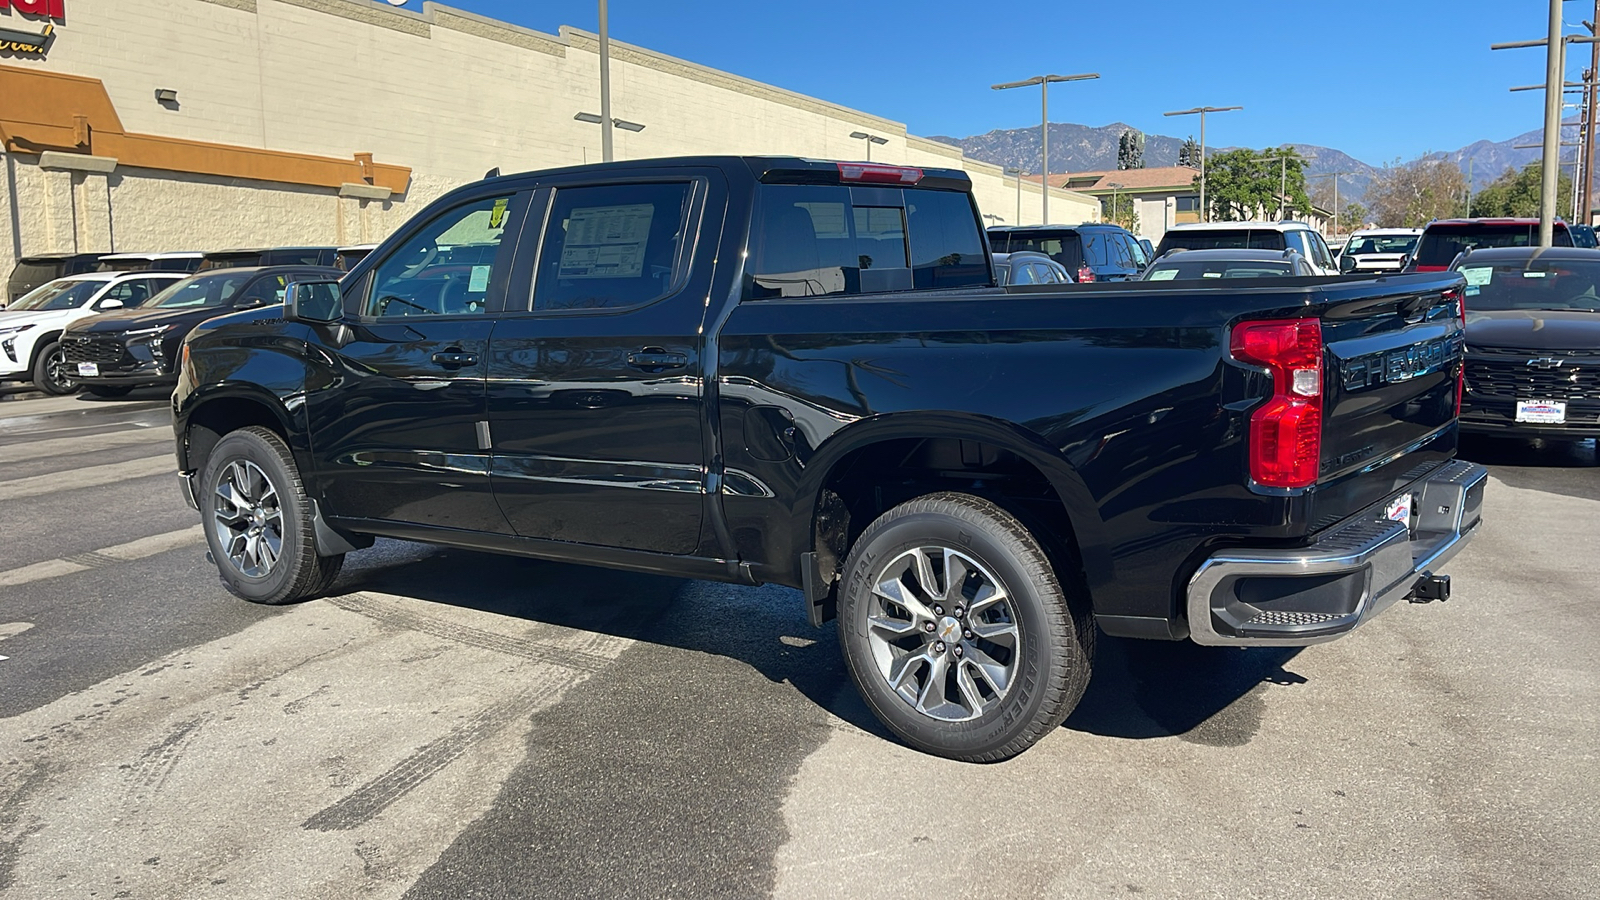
x,y
1390,392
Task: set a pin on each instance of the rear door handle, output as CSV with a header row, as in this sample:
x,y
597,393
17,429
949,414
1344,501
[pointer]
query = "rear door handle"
x,y
655,358
455,359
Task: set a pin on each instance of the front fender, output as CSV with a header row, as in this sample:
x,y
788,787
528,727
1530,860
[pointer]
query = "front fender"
x,y
243,376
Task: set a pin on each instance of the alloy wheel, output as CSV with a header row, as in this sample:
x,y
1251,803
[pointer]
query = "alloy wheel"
x,y
943,633
56,371
248,519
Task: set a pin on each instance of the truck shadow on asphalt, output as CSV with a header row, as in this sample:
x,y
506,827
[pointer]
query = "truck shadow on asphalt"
x,y
1556,467
1140,689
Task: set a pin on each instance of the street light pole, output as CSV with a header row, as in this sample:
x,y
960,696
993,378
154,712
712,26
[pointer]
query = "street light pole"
x,y
1283,178
1044,82
1205,213
1017,171
870,139
605,84
1335,176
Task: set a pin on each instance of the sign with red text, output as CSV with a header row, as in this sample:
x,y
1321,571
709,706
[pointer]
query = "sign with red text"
x,y
53,9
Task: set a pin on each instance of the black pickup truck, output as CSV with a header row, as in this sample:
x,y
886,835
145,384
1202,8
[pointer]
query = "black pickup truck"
x,y
775,370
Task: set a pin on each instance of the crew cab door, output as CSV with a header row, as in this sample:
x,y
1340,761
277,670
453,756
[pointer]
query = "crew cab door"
x,y
595,375
396,434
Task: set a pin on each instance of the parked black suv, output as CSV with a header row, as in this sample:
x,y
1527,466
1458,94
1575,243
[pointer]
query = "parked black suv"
x,y
270,256
1091,251
32,271
116,352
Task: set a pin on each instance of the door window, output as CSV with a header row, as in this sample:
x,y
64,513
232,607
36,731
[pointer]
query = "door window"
x,y
1319,251
612,246
1024,274
265,291
123,292
446,268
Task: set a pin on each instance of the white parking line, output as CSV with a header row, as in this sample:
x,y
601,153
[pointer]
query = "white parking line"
x,y
86,444
90,476
137,549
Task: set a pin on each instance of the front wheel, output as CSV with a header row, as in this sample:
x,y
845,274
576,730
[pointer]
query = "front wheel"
x,y
957,632
257,519
51,371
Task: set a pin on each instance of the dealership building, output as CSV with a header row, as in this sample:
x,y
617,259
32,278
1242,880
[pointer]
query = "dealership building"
x,y
155,125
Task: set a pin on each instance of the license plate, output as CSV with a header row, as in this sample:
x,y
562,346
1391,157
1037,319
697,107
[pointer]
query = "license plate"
x,y
1542,412
1399,510
90,369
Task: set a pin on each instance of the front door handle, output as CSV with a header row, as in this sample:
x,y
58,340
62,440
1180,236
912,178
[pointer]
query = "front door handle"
x,y
657,359
455,359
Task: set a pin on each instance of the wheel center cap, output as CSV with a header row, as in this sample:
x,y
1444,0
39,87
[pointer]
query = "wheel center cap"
x,y
949,630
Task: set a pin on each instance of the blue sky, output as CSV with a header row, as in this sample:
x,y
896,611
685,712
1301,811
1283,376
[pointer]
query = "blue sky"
x,y
1381,81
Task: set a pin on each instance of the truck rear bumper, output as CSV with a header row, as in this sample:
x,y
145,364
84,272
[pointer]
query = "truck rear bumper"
x,y
1354,570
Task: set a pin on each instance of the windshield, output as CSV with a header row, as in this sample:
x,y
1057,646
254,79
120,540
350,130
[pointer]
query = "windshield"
x,y
58,295
1179,271
1442,243
1381,243
1065,247
1533,284
202,291
1224,239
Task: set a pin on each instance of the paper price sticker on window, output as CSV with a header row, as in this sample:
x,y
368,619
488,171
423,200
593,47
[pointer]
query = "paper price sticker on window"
x,y
606,241
1478,276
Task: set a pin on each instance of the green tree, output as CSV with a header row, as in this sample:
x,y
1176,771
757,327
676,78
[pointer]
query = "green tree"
x,y
1130,149
1517,193
1124,214
1409,195
1244,184
1353,216
1189,153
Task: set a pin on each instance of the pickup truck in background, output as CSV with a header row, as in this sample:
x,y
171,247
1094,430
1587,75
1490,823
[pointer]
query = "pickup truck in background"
x,y
775,370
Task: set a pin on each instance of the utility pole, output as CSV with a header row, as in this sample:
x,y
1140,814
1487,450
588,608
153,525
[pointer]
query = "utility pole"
x,y
1555,51
1205,212
1044,82
1017,172
1283,178
1335,177
1591,96
1114,185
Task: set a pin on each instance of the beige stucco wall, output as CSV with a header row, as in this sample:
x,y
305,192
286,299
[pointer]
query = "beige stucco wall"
x,y
445,92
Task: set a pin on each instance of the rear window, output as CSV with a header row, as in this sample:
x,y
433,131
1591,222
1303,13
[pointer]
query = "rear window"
x,y
1381,243
34,272
1224,239
1441,243
815,240
1063,246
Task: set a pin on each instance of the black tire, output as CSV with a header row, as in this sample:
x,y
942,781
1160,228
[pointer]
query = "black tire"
x,y
50,373
1049,662
297,572
108,390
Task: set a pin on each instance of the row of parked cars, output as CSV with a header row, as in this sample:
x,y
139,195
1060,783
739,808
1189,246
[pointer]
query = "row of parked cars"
x,y
118,321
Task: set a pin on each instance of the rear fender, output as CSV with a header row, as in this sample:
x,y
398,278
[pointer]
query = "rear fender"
x,y
1081,510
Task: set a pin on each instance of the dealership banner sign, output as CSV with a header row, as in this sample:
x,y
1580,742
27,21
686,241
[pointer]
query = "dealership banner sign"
x,y
18,40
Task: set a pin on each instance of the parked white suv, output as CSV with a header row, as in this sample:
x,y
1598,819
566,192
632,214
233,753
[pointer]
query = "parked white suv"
x,y
1287,235
1380,249
30,327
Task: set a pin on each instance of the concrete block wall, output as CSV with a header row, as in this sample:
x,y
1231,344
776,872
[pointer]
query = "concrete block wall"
x,y
445,92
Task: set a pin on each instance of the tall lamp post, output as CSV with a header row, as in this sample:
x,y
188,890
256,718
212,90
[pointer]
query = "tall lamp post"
x,y
1335,177
870,139
1017,173
605,129
605,84
1283,178
1205,212
1114,185
1044,82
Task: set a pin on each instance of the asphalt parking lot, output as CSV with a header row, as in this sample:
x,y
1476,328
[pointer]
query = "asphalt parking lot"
x,y
452,725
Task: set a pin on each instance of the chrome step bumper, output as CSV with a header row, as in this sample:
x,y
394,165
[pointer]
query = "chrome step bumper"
x,y
1354,570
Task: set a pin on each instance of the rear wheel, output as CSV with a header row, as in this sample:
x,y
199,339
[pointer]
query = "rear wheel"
x,y
957,632
258,521
51,372
104,390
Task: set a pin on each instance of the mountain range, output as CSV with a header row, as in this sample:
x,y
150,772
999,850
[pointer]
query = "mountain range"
x,y
1086,148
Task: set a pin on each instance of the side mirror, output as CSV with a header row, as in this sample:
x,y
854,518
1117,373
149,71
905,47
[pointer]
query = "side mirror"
x,y
317,302
1347,264
110,303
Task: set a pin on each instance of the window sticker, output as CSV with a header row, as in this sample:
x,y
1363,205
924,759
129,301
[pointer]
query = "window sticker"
x,y
479,281
1210,274
1535,274
1478,276
1163,275
606,241
497,216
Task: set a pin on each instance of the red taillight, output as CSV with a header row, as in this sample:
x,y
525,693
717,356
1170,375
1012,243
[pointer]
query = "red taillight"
x,y
1459,296
872,173
1085,274
1286,431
